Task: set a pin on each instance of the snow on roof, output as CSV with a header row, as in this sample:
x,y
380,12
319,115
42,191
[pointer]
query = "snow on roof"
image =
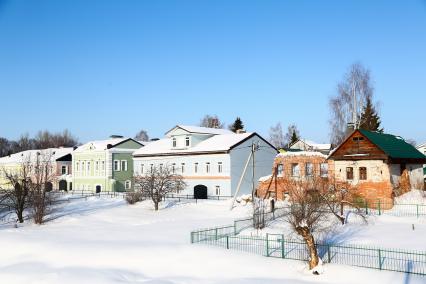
x,y
301,153
421,145
265,178
202,130
322,146
100,144
30,155
213,144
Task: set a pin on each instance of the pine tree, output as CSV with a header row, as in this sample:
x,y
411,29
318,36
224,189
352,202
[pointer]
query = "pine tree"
x,y
294,137
370,119
237,125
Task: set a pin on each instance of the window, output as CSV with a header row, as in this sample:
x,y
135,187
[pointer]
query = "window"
x,y
295,170
77,166
280,170
217,190
182,167
116,166
103,165
207,167
195,167
358,139
124,165
64,170
173,168
97,166
161,167
82,167
309,169
88,167
174,142
151,168
362,173
187,141
349,173
142,168
324,170
219,167
127,184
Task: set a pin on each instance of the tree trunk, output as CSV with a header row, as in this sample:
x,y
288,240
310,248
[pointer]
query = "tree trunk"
x,y
156,205
20,216
312,248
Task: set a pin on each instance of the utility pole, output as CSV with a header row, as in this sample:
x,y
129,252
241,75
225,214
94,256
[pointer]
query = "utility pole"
x,y
254,148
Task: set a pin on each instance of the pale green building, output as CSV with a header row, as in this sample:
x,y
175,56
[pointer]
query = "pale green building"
x,y
105,165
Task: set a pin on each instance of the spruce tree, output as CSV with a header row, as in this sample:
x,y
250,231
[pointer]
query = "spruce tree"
x,y
237,125
294,137
370,119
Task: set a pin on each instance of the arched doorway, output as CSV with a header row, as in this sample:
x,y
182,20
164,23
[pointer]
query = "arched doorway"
x,y
49,186
200,192
98,188
63,185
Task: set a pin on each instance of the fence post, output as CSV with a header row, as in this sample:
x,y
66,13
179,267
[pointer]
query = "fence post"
x,y
417,210
282,247
235,228
378,206
328,253
227,242
267,244
216,234
366,208
380,259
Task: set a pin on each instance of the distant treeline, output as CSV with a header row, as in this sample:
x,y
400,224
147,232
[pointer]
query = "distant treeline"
x,y
43,140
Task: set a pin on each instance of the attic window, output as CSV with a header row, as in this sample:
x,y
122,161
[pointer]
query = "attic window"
x,y
174,142
187,141
358,138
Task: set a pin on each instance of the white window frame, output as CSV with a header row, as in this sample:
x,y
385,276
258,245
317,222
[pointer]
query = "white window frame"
x,y
219,167
116,165
128,184
174,142
187,141
311,174
217,189
142,169
83,168
62,169
295,170
324,169
125,165
280,170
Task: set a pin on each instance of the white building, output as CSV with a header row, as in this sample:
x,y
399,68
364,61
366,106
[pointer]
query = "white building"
x,y
210,160
307,145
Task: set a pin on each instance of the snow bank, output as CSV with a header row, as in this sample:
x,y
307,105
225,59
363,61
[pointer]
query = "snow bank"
x,y
412,197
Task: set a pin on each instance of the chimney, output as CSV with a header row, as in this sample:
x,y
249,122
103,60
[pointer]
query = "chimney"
x,y
240,131
116,136
350,128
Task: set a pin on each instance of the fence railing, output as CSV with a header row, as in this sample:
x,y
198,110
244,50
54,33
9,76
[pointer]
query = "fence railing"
x,y
276,245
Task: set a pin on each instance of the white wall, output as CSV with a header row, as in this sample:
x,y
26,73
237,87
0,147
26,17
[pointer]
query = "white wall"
x,y
211,179
416,175
264,160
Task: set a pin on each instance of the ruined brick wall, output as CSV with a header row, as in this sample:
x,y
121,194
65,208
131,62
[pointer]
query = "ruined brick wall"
x,y
274,186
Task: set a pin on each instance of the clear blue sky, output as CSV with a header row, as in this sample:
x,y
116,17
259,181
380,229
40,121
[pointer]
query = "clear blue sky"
x,y
114,67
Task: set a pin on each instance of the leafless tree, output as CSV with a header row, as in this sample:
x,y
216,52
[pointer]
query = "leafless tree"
x,y
42,180
16,189
276,136
352,94
211,121
45,139
26,187
142,136
307,213
158,182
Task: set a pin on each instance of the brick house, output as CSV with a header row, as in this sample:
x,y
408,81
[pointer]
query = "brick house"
x,y
292,165
381,166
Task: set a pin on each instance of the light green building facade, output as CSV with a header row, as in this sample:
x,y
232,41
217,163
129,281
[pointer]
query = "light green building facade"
x,y
105,165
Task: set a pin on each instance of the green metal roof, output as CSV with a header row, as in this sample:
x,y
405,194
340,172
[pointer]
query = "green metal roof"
x,y
393,146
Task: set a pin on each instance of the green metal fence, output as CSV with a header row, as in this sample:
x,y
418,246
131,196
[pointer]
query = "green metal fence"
x,y
276,245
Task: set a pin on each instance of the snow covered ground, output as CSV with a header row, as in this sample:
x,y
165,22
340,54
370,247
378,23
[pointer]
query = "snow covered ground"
x,y
106,241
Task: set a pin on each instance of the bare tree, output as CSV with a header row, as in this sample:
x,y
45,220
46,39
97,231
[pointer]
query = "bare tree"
x,y
5,147
142,136
276,136
348,105
158,182
211,121
45,139
41,187
307,213
16,189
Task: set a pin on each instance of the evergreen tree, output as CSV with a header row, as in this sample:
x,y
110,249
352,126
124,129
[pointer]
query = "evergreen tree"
x,y
237,125
294,137
292,134
370,119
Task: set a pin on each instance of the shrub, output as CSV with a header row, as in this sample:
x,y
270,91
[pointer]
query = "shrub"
x,y
134,197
